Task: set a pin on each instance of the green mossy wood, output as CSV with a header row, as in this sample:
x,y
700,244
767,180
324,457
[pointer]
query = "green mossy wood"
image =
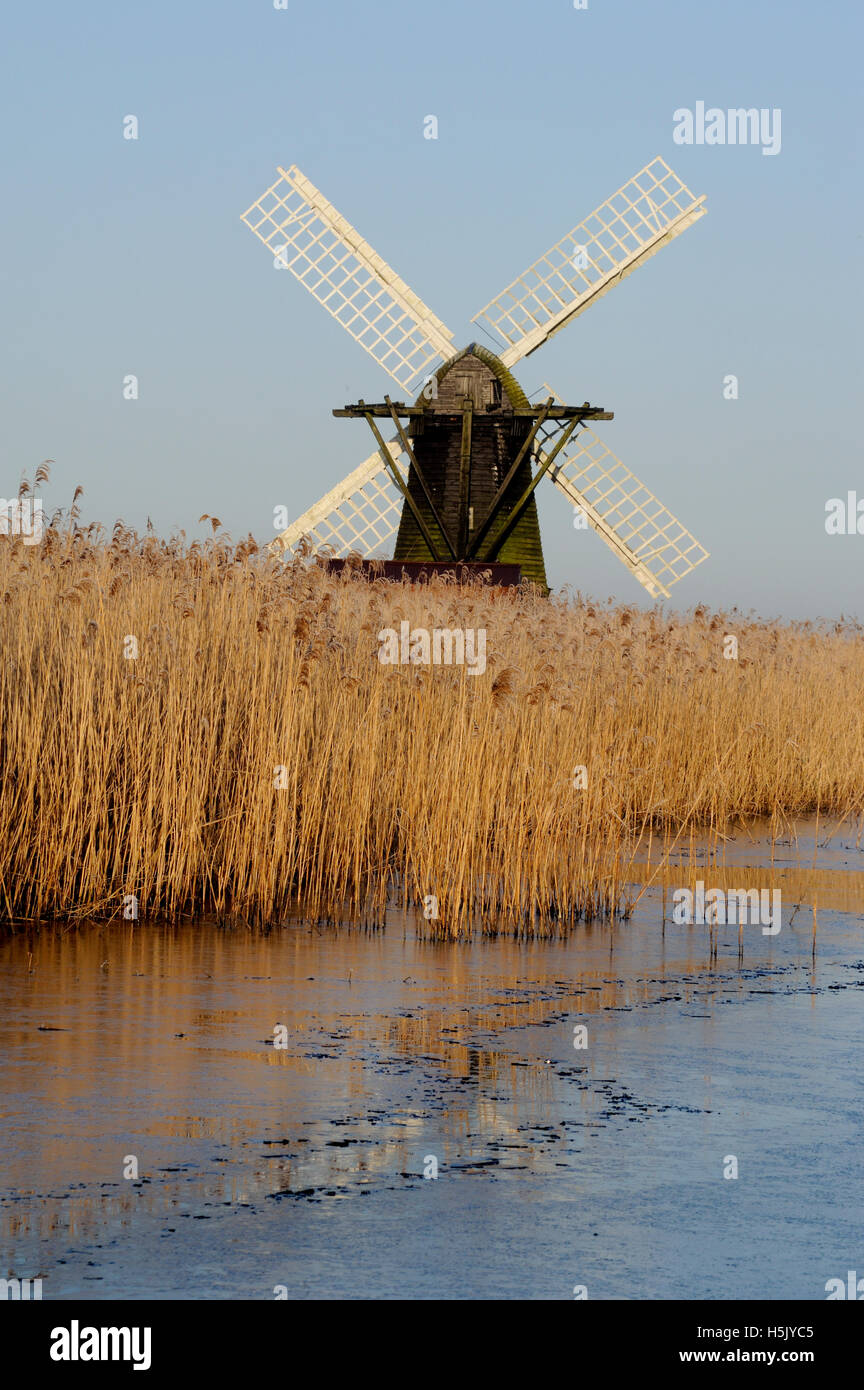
x,y
463,500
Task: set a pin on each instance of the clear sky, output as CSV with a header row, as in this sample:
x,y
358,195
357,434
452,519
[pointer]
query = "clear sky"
x,y
123,256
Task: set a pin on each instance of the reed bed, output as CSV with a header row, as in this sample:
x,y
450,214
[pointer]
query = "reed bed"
x,y
257,755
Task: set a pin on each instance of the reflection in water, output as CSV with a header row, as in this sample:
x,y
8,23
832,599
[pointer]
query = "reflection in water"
x,y
161,1044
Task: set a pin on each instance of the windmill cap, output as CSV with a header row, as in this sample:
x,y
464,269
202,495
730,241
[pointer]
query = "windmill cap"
x,y
513,391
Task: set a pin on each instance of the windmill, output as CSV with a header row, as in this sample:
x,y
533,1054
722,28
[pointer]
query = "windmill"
x,y
457,480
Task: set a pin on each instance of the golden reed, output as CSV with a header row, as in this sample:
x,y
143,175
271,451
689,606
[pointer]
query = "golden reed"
x,y
256,754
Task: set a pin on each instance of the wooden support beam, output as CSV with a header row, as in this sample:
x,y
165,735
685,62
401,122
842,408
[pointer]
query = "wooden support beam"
x,y
406,445
519,412
496,543
465,474
478,539
390,465
355,411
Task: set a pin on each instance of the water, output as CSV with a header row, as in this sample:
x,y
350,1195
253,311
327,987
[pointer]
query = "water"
x,y
300,1168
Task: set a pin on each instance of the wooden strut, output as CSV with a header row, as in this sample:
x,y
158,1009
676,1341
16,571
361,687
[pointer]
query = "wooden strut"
x,y
477,540
406,445
465,473
519,412
390,465
520,506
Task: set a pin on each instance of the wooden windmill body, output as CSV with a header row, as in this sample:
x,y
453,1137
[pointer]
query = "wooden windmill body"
x,y
466,442
456,482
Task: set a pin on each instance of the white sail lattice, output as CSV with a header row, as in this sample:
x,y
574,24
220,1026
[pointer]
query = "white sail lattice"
x,y
306,235
360,514
653,544
646,213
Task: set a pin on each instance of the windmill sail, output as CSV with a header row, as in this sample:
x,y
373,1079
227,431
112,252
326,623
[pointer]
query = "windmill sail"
x,y
306,235
656,548
360,514
646,213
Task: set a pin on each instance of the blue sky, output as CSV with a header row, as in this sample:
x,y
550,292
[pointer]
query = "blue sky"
x,y
126,256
